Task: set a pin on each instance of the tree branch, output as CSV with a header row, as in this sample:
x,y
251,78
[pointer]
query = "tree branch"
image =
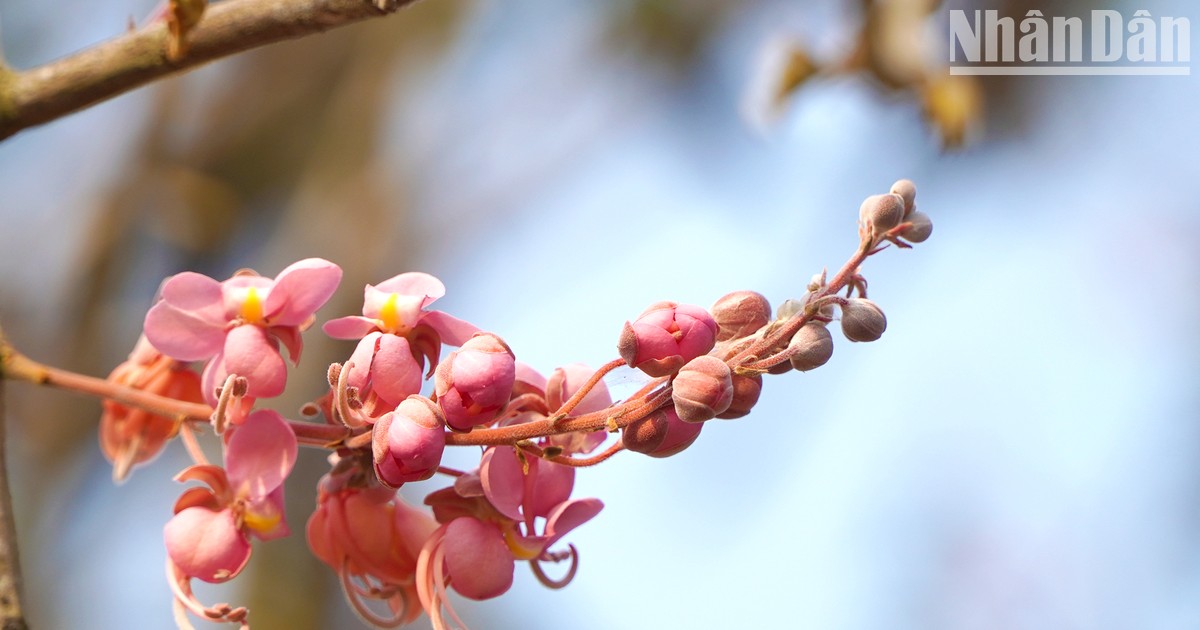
x,y
45,93
12,617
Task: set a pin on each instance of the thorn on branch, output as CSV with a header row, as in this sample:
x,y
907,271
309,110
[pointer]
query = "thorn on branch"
x,y
182,17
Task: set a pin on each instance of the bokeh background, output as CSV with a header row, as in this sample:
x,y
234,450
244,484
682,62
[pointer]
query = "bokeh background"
x,y
1020,450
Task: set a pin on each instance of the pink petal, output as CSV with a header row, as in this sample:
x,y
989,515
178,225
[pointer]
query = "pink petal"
x,y
260,454
595,400
212,476
551,486
478,560
570,515
350,327
503,480
453,331
290,337
368,529
413,527
213,377
395,374
414,283
362,358
300,290
319,537
250,353
190,291
182,335
198,497
408,307
528,375
206,545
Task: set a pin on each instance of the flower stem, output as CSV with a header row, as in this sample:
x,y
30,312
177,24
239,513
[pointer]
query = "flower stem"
x,y
14,365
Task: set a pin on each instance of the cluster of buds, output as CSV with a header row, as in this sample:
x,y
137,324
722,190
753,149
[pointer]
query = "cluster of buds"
x,y
420,380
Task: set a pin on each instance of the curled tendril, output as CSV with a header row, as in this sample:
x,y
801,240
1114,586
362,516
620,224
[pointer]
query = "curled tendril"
x,y
346,411
185,602
559,556
232,391
357,591
431,583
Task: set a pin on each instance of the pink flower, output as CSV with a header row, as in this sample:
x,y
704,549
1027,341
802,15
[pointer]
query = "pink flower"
x,y
490,521
208,538
475,382
397,336
371,538
562,385
665,336
237,325
130,436
407,443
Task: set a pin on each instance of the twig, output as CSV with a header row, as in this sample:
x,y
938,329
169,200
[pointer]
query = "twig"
x,y
11,615
48,92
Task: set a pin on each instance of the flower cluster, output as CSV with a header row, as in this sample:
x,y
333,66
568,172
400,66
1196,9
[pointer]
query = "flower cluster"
x,y
420,380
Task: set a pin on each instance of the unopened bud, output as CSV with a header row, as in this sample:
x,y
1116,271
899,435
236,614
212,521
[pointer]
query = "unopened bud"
x,y
920,229
818,281
811,347
666,336
661,434
407,444
880,213
702,389
475,382
789,308
862,320
908,192
740,314
746,390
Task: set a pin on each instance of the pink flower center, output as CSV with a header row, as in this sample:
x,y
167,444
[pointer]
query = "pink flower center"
x,y
252,308
519,550
261,518
389,314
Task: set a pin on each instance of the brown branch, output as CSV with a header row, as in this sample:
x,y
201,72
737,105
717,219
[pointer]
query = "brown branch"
x,y
49,92
11,615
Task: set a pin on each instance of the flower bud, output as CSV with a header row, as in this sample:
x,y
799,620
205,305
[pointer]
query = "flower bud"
x,y
702,389
810,347
407,444
666,336
880,213
908,192
746,390
740,314
920,229
818,281
788,309
475,382
661,434
862,320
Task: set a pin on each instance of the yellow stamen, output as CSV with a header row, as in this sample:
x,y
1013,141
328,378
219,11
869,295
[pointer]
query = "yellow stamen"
x,y
252,308
260,522
389,313
519,551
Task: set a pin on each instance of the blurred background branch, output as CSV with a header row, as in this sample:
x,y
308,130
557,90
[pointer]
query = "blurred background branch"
x,y
47,92
12,615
